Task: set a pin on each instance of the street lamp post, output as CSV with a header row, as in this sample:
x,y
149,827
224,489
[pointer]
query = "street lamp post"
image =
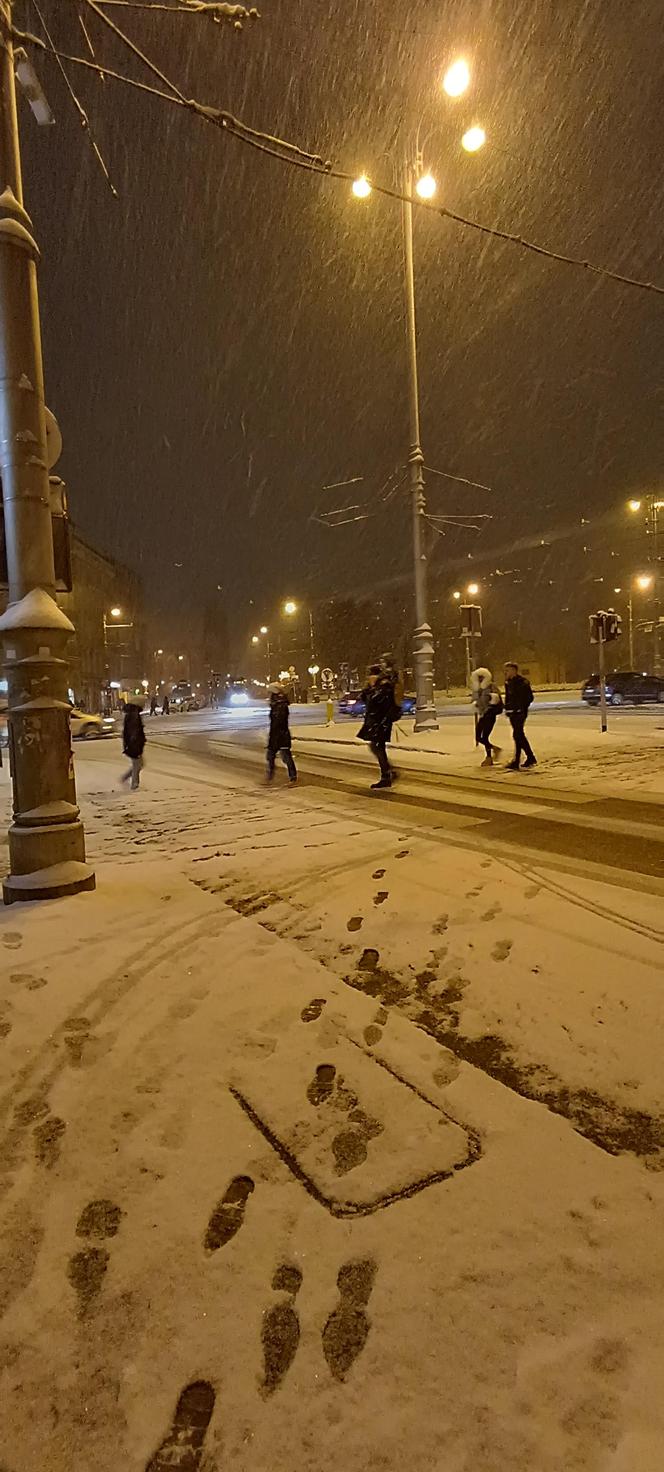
x,y
46,837
425,710
654,505
643,582
413,179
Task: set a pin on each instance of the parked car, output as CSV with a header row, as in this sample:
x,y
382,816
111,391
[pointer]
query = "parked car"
x,y
625,687
84,726
352,704
87,727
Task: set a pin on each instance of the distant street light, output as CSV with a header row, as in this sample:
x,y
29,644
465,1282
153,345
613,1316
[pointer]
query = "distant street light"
x,y
473,139
263,628
116,613
456,596
457,78
255,639
652,505
290,607
473,590
643,581
180,658
361,187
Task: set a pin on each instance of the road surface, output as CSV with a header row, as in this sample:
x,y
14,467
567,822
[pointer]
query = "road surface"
x,y
602,833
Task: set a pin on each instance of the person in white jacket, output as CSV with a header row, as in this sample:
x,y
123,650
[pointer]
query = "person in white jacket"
x,y
488,704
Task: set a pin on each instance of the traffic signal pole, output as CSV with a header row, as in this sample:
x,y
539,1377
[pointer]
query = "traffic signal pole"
x,y
46,839
602,676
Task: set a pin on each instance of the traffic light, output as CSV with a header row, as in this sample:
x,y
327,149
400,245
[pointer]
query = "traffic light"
x,y
612,626
605,626
471,620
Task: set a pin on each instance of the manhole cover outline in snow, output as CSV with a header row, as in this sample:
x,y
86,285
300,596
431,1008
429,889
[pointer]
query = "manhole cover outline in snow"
x,y
336,1205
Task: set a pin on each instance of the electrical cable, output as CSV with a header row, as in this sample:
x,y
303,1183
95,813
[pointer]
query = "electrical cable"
x,y
297,157
82,114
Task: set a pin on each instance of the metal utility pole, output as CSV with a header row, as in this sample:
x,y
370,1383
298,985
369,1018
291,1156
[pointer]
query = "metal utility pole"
x,y
602,678
46,838
630,611
655,505
425,710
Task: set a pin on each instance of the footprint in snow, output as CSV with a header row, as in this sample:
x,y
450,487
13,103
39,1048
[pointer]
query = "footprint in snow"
x,y
381,897
183,1446
313,1009
322,1083
280,1331
378,874
501,950
47,1138
87,1269
355,922
492,912
228,1215
26,979
12,939
347,1329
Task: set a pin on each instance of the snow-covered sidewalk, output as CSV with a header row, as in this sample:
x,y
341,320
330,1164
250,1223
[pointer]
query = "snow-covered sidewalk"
x,y
276,1187
626,760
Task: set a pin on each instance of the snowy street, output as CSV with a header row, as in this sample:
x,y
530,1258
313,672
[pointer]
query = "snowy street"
x,y
335,1136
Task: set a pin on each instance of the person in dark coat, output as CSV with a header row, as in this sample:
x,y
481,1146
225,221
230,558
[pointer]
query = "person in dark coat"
x,y
153,704
518,700
165,706
133,743
380,712
279,737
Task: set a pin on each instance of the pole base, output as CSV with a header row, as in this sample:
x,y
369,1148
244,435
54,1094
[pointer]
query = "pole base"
x,y
53,883
426,720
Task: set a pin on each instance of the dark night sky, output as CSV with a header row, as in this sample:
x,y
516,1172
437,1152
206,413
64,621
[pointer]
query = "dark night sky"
x,y
226,337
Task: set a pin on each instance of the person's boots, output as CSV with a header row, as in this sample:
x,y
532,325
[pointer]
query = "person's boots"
x,y
488,762
384,782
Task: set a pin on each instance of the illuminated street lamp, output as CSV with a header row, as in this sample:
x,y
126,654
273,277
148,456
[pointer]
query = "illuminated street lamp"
x,y
456,596
643,581
417,184
116,613
473,590
651,504
263,629
290,607
426,186
361,187
473,139
255,639
457,78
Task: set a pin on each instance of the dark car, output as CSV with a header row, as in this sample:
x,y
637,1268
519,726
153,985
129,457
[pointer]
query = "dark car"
x,y
625,687
352,704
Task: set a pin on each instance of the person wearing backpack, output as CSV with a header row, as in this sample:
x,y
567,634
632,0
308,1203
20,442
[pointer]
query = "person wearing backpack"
x,y
518,700
488,704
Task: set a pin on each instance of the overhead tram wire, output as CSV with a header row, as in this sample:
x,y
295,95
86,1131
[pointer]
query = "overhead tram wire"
x,y
297,157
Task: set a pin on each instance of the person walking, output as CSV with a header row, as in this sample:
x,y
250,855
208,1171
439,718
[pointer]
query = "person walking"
x,y
279,737
380,712
133,743
165,706
488,704
153,704
518,700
